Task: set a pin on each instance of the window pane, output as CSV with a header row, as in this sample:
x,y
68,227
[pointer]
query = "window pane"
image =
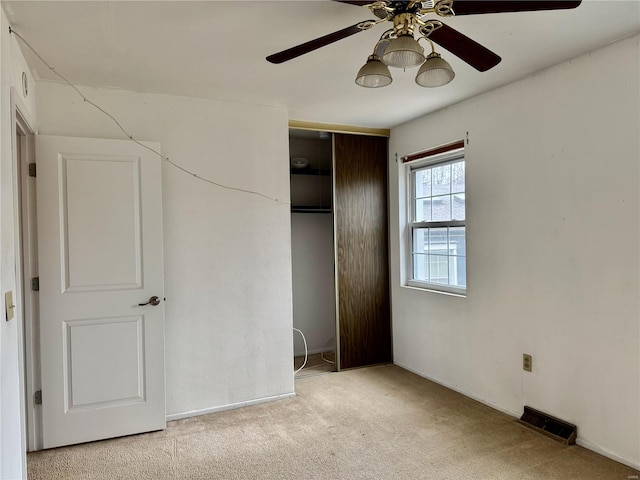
x,y
441,180
421,240
441,208
423,210
421,267
458,271
457,177
457,241
458,206
439,269
438,241
439,253
423,182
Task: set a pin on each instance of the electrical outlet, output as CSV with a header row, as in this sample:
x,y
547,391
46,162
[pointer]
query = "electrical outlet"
x,y
527,362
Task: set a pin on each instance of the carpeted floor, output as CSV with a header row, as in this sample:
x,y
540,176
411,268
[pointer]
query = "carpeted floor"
x,y
377,423
316,364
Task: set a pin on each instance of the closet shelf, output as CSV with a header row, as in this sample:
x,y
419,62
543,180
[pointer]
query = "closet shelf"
x,y
311,171
299,209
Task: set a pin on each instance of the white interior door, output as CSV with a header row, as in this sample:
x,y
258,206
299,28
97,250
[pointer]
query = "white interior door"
x,y
100,255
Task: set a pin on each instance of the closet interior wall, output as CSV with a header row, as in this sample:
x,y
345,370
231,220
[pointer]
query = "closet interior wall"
x,y
312,241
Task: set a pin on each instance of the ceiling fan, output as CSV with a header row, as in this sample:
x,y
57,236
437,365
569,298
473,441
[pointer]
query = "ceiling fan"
x,y
399,48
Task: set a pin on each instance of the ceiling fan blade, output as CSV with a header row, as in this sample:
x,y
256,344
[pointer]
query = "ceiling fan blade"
x,y
473,7
479,57
360,3
312,45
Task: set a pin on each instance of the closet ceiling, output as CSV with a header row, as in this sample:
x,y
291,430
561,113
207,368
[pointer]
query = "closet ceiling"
x,y
217,49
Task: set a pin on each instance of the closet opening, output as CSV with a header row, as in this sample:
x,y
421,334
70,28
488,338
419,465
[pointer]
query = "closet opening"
x,y
312,252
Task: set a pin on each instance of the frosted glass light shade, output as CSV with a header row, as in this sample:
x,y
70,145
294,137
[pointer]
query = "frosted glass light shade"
x,y
403,52
435,72
374,74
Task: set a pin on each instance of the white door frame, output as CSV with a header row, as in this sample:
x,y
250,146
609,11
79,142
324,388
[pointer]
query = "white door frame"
x,y
23,153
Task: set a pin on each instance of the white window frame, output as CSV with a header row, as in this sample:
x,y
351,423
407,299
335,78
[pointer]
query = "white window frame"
x,y
431,161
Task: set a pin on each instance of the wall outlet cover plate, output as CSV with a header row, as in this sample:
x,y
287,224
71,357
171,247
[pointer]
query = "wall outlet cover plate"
x,y
10,308
527,362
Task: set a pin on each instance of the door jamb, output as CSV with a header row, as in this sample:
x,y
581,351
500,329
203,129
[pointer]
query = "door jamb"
x,y
26,268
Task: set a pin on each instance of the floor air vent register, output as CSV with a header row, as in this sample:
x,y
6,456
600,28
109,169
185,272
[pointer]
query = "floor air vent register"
x,y
552,427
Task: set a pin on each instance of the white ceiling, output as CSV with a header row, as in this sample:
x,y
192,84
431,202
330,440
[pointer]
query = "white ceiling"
x,y
217,49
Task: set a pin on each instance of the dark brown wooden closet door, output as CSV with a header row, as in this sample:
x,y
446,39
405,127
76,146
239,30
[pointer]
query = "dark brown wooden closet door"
x,y
362,250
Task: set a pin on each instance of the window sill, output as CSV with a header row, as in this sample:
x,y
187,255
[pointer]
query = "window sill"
x,y
426,288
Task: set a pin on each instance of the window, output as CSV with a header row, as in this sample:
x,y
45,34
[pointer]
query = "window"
x,y
436,221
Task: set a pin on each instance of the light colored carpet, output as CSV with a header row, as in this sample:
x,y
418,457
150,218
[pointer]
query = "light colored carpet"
x,y
372,423
315,364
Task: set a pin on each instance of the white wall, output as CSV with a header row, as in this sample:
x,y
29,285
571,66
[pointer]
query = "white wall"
x,y
227,254
12,435
12,439
553,250
314,291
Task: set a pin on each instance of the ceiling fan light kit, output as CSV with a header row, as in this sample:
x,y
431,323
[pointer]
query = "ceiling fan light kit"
x,y
374,73
404,52
399,48
435,72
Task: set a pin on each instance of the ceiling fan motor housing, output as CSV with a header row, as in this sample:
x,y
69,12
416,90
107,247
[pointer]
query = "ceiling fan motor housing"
x,y
404,23
388,10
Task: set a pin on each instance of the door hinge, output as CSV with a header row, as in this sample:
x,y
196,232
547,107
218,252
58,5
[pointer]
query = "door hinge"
x,y
32,169
37,398
35,284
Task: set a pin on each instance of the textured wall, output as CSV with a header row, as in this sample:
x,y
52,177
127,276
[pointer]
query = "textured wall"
x,y
12,428
227,253
553,250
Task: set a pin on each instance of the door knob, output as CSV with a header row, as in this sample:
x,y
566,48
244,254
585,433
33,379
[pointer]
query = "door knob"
x,y
152,301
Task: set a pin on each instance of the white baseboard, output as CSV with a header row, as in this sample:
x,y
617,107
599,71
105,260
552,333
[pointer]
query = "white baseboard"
x,y
598,449
484,401
231,406
579,441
